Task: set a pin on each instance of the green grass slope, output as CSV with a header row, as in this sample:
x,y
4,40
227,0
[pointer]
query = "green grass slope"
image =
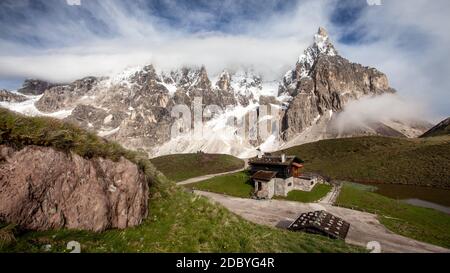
x,y
236,184
181,222
424,162
317,193
184,166
178,221
422,224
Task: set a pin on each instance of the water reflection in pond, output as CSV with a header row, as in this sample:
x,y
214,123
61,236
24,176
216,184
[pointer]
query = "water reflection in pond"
x,y
438,199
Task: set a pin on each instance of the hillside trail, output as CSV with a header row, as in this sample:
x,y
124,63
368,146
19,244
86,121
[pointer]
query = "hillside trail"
x,y
209,176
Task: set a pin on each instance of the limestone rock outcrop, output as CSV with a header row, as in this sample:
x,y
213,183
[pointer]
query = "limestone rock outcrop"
x,y
43,189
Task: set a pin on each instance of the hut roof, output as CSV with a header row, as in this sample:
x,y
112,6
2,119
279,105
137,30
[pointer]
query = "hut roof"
x,y
274,160
264,175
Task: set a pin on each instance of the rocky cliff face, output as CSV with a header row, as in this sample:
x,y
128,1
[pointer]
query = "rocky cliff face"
x,y
43,189
34,87
6,96
323,82
134,107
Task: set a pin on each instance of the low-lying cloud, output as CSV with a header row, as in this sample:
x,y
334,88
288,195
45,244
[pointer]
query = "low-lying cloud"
x,y
385,108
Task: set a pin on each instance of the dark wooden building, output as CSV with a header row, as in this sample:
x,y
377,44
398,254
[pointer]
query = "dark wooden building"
x,y
284,166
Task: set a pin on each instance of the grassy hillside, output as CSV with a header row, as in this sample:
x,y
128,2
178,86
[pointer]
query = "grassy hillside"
x,y
423,224
181,222
177,222
317,193
237,184
184,166
424,162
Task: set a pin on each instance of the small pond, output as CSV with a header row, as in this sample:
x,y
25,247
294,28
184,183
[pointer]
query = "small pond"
x,y
438,199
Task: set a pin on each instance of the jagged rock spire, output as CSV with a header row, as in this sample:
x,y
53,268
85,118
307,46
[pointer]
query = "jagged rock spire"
x,y
321,46
322,32
224,81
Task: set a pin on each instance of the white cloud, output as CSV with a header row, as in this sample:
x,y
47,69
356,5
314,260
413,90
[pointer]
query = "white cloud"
x,y
271,46
380,108
411,47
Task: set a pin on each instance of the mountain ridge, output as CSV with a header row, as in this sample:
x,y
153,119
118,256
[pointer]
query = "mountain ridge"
x,y
441,129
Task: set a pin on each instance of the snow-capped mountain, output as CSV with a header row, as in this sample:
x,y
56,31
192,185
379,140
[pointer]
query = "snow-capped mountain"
x,y
321,47
135,107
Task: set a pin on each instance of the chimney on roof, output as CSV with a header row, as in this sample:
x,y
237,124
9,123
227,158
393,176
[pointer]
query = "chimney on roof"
x,y
283,158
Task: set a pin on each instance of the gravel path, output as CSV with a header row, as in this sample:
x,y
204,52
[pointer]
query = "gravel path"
x,y
209,176
206,177
365,227
331,197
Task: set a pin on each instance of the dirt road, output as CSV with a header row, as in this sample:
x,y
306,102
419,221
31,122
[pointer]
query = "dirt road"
x,y
206,177
331,197
365,227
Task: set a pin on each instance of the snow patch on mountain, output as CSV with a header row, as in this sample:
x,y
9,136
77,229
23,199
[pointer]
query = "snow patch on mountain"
x,y
29,109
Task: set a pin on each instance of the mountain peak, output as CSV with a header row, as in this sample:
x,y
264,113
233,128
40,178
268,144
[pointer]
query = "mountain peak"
x,y
224,81
322,44
322,32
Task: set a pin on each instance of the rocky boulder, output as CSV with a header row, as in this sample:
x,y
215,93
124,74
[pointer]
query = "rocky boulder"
x,y
42,189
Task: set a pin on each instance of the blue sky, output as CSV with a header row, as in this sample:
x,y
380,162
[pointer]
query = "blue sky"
x,y
194,16
52,40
